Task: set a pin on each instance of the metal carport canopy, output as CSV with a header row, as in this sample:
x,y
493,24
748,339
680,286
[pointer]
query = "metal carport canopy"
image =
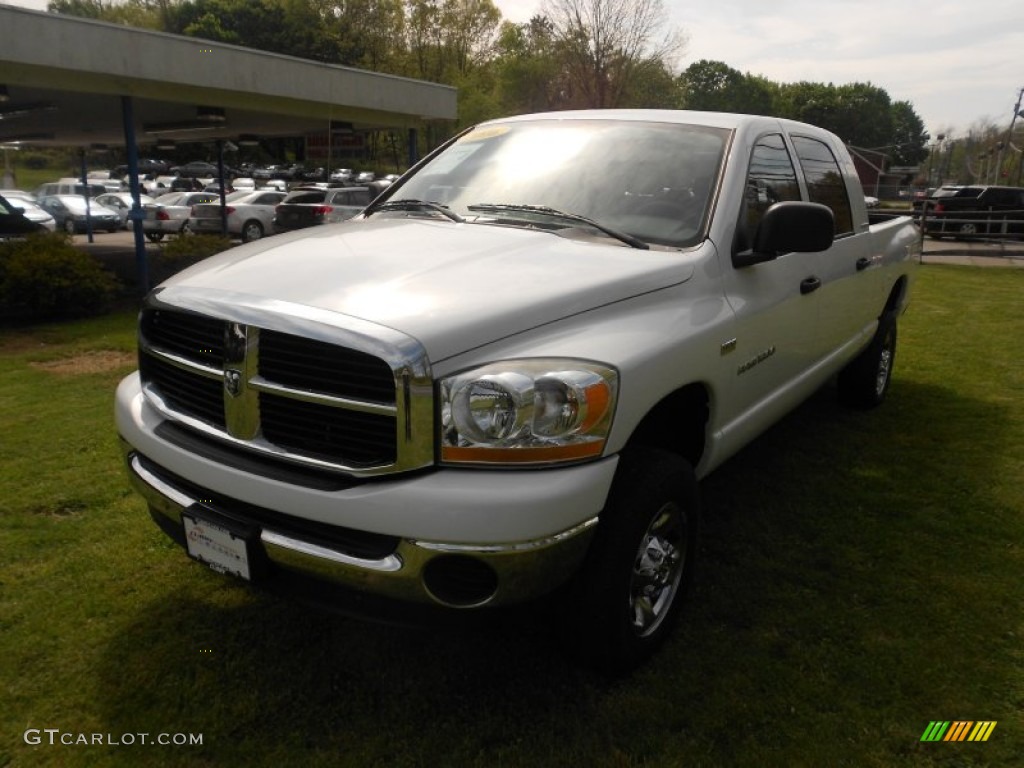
x,y
71,81
71,75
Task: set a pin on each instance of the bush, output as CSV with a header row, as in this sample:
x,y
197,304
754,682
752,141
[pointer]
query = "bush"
x,y
45,276
186,250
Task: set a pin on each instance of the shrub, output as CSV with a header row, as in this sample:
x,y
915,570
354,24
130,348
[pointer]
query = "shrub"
x,y
186,250
45,276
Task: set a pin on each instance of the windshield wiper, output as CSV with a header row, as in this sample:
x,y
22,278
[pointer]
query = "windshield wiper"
x,y
415,205
544,210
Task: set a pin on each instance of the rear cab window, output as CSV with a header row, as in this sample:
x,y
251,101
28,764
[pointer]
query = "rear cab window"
x,y
825,181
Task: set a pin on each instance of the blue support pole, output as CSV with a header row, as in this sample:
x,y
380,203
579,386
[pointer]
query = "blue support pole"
x,y
135,216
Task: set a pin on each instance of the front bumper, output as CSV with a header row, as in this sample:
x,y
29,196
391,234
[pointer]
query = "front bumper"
x,y
453,538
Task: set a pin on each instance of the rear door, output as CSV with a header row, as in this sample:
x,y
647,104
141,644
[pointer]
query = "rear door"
x,y
849,272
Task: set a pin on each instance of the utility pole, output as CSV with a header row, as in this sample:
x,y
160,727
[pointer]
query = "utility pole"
x,y
1009,136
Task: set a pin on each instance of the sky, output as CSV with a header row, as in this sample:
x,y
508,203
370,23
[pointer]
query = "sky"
x,y
957,62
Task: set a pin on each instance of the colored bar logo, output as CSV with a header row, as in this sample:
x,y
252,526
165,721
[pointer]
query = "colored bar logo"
x,y
958,730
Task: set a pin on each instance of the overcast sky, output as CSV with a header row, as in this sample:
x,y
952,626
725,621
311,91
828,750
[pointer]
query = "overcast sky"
x,y
956,61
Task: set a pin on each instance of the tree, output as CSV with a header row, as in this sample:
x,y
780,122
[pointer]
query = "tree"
x,y
908,135
604,45
446,38
716,87
527,68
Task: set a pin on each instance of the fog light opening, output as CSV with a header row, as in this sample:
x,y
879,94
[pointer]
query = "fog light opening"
x,y
460,581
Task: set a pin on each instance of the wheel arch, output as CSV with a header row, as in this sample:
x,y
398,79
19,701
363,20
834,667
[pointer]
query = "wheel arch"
x,y
677,424
897,295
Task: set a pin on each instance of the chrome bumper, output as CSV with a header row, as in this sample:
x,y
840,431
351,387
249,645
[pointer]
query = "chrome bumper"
x,y
416,571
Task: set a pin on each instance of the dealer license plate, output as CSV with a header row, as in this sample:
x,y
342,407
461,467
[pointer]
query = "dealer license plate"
x,y
216,545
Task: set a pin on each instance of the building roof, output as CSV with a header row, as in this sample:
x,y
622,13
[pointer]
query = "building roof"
x,y
65,76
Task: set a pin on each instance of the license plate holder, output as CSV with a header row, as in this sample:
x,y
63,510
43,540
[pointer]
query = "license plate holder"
x,y
220,543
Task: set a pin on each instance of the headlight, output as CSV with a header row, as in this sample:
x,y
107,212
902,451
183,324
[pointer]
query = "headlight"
x,y
527,412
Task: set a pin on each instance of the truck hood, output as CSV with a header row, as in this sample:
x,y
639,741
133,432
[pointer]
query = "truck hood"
x,y
452,286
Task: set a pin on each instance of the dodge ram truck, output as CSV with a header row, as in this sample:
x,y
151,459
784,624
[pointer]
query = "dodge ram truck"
x,y
504,379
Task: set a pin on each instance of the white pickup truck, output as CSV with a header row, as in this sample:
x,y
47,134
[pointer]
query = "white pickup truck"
x,y
504,379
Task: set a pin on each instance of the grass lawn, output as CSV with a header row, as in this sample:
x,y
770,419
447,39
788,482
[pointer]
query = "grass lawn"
x,y
862,575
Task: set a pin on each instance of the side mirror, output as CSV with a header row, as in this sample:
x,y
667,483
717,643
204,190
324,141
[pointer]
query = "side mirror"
x,y
787,227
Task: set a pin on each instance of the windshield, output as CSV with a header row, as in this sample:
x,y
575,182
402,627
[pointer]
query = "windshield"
x,y
650,180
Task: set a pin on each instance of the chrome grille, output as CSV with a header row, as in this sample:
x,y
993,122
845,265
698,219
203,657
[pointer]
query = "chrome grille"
x,y
304,400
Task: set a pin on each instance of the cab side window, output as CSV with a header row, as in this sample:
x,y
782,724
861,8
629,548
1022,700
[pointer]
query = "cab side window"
x,y
825,183
771,179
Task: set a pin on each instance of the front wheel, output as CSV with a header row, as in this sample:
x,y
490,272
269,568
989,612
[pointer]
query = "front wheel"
x,y
640,565
155,237
865,381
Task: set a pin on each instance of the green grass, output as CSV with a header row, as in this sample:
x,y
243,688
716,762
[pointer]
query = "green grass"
x,y
861,576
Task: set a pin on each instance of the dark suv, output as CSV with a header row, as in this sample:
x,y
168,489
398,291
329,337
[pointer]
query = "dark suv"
x,y
977,211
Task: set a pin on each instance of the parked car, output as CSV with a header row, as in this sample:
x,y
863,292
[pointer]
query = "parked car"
x,y
168,214
14,222
121,203
244,183
34,213
310,207
342,174
977,211
933,195
71,214
198,169
161,185
69,186
146,165
313,174
250,216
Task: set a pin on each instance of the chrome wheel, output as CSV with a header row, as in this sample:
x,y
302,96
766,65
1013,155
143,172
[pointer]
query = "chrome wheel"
x,y
884,370
632,586
658,569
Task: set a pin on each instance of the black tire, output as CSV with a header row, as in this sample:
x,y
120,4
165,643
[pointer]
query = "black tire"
x,y
865,381
69,226
155,237
251,230
640,565
968,230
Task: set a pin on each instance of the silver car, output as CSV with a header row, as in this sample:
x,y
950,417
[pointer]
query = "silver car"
x,y
71,215
168,214
250,216
121,202
30,208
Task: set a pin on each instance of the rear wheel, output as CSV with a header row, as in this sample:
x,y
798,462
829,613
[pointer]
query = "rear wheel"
x,y
640,565
864,382
967,230
155,237
251,230
69,226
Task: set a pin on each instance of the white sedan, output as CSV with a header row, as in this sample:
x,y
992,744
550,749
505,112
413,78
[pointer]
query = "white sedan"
x,y
250,215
